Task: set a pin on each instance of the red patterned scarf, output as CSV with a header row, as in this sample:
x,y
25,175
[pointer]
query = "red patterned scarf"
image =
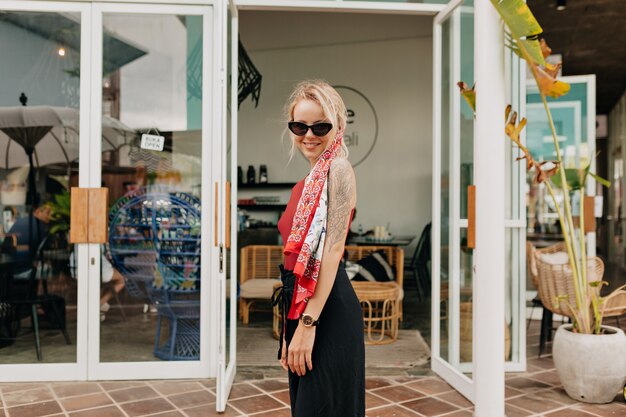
x,y
308,230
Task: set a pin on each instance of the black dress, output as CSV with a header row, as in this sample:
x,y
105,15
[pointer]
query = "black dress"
x,y
336,385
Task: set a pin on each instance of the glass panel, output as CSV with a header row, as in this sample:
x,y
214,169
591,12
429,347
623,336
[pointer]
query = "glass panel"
x,y
445,187
151,163
570,121
466,306
467,115
229,141
39,115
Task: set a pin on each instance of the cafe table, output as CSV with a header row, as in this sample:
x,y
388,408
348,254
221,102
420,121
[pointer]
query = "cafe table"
x,y
392,241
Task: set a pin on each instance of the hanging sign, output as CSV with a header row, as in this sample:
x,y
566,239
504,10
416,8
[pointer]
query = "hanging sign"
x,y
152,142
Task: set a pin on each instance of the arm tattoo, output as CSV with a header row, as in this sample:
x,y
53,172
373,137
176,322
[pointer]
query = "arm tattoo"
x,y
340,195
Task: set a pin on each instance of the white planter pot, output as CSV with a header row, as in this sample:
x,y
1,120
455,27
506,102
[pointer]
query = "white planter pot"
x,y
592,368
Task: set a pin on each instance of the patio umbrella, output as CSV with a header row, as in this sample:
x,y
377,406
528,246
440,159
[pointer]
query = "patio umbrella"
x,y
44,135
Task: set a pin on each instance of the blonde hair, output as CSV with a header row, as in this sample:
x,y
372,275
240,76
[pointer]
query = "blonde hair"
x,y
329,100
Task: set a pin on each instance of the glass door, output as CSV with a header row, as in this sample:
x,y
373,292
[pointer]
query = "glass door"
x,y
228,278
452,273
44,120
151,105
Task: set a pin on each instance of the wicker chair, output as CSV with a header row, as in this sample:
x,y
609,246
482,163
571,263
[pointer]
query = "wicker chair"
x,y
257,276
555,280
395,256
615,305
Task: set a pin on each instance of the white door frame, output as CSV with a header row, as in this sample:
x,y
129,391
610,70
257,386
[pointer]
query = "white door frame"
x,y
227,360
205,367
73,370
447,369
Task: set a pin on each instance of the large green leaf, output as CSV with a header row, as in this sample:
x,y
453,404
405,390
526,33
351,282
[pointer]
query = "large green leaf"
x,y
522,24
518,17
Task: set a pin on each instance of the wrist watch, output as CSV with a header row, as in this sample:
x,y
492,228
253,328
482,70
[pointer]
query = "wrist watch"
x,y
307,320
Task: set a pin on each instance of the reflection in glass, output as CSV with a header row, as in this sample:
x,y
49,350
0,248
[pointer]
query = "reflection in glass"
x,y
445,187
39,144
150,291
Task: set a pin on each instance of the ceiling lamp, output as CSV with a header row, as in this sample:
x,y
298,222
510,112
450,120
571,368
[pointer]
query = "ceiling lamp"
x,y
561,5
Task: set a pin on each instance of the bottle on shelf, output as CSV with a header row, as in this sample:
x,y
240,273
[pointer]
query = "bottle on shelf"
x,y
251,175
263,174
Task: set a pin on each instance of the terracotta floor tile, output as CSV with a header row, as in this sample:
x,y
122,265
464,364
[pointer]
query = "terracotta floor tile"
x,y
391,411
80,388
455,398
209,383
373,401
243,390
209,411
430,386
605,410
85,401
116,385
169,414
133,394
512,411
569,412
530,403
170,387
21,387
192,399
271,385
376,382
282,396
31,396
511,392
549,377
430,406
35,410
256,404
397,393
545,362
283,412
460,413
145,407
406,379
526,384
99,412
555,394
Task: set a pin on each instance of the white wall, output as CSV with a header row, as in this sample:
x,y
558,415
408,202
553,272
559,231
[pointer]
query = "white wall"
x,y
394,182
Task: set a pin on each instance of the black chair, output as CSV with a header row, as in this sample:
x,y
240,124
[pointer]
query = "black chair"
x,y
420,263
27,290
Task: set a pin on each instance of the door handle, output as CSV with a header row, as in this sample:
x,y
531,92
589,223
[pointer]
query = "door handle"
x,y
471,216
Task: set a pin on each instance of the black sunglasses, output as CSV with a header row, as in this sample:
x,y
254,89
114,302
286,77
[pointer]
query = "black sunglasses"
x,y
318,129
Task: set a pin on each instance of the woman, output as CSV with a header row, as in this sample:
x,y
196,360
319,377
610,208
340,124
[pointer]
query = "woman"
x,y
322,348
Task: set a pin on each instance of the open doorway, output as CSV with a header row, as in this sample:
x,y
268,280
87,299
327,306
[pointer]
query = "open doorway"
x,y
381,64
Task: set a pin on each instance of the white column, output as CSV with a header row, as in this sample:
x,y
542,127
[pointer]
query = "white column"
x,y
489,178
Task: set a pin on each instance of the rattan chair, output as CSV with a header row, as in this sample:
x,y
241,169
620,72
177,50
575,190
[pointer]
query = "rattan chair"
x,y
257,276
395,257
615,305
555,281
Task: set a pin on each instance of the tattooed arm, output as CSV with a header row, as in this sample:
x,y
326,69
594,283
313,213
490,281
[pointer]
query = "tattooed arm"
x,y
341,201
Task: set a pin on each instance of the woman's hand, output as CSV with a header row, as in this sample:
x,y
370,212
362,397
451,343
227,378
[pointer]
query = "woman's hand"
x,y
283,356
301,349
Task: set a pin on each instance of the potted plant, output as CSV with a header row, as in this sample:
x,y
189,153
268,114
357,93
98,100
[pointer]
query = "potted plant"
x,y
589,356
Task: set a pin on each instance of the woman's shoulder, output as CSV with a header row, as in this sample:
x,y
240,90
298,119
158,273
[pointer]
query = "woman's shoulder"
x,y
341,163
341,168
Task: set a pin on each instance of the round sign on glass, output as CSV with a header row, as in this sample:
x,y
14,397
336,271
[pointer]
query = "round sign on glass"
x,y
362,126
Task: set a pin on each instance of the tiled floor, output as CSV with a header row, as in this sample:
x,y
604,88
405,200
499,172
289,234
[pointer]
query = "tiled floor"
x,y
536,392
